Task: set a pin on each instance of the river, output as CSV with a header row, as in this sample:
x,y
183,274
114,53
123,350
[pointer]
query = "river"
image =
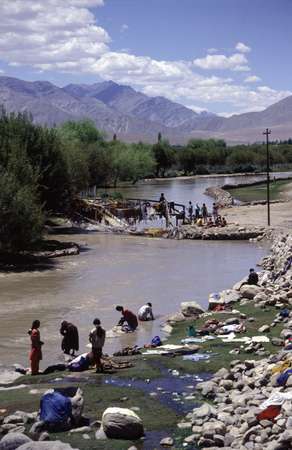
x,y
113,270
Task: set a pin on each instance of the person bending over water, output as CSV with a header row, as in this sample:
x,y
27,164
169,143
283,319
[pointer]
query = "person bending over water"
x,y
145,312
128,321
36,347
70,341
97,339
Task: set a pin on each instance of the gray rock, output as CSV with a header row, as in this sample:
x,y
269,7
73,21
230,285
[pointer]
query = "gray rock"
x,y
264,329
286,437
18,429
166,442
12,441
204,411
122,423
249,291
53,445
13,419
80,430
37,427
44,436
191,309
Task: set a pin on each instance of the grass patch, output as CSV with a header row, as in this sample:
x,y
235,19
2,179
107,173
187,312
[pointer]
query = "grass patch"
x,y
259,192
262,317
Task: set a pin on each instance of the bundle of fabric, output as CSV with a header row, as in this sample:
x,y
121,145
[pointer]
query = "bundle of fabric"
x,y
128,351
112,364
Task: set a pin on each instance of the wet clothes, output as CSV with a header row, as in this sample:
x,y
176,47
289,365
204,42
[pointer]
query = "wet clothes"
x,y
36,351
130,318
70,337
253,278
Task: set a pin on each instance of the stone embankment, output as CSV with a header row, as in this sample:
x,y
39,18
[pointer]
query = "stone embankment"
x,y
229,232
250,408
222,197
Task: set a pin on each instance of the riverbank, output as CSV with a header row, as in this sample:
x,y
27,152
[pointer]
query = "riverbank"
x,y
159,387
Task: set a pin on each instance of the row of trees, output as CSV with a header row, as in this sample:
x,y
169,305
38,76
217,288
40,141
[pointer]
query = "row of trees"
x,y
42,170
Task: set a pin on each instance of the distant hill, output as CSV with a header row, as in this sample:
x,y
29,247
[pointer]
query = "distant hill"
x,y
135,116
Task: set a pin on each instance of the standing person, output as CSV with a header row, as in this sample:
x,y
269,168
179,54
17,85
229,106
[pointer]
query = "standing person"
x,y
70,341
198,211
162,199
215,211
36,347
145,312
190,211
128,321
204,212
97,339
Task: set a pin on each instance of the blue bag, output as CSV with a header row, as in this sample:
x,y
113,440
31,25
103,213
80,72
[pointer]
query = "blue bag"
x,y
55,408
283,377
156,341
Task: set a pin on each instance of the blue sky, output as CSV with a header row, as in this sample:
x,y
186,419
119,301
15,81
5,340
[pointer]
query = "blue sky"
x,y
226,56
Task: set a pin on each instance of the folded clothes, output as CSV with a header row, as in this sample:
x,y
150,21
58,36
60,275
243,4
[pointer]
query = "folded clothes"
x,y
170,349
197,340
198,357
278,398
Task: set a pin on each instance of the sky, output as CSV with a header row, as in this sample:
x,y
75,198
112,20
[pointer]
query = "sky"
x,y
223,56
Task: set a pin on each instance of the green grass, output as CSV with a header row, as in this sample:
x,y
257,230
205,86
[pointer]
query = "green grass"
x,y
262,317
156,417
259,192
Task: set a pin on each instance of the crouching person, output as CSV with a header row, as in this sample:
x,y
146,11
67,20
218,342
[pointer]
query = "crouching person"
x,y
97,339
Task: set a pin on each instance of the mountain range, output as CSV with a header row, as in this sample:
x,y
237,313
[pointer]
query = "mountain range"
x,y
133,116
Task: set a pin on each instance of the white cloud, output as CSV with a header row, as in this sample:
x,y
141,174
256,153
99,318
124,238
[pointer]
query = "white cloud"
x,y
242,48
236,62
252,79
48,34
62,36
212,50
124,27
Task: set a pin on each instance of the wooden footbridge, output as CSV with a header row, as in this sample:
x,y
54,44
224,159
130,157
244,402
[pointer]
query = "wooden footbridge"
x,y
127,212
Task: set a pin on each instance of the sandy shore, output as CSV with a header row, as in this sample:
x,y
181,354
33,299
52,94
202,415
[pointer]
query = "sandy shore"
x,y
281,213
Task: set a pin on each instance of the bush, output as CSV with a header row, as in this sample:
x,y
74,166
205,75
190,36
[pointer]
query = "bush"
x,y
21,217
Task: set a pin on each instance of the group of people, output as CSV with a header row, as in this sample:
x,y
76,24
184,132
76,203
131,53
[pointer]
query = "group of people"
x,y
202,217
70,342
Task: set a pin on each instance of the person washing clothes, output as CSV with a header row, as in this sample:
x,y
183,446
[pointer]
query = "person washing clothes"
x,y
128,321
145,313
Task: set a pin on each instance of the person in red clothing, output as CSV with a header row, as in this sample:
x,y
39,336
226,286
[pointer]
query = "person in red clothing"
x,y
128,321
36,347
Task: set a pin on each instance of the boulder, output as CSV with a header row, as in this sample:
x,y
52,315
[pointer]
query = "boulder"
x,y
166,442
264,329
53,445
189,309
249,291
204,411
122,423
12,441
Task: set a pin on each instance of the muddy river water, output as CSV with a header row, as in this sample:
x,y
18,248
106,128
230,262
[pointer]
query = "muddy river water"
x,y
113,270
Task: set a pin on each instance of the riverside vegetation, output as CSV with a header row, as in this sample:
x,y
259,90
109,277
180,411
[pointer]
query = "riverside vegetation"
x,y
43,169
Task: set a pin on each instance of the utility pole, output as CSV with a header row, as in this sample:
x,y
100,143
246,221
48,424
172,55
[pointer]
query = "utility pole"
x,y
267,133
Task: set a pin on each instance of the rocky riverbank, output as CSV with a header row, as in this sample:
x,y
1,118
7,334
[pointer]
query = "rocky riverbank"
x,y
242,380
249,407
229,232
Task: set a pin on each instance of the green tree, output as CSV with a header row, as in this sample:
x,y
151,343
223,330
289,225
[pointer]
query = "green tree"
x,y
164,157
